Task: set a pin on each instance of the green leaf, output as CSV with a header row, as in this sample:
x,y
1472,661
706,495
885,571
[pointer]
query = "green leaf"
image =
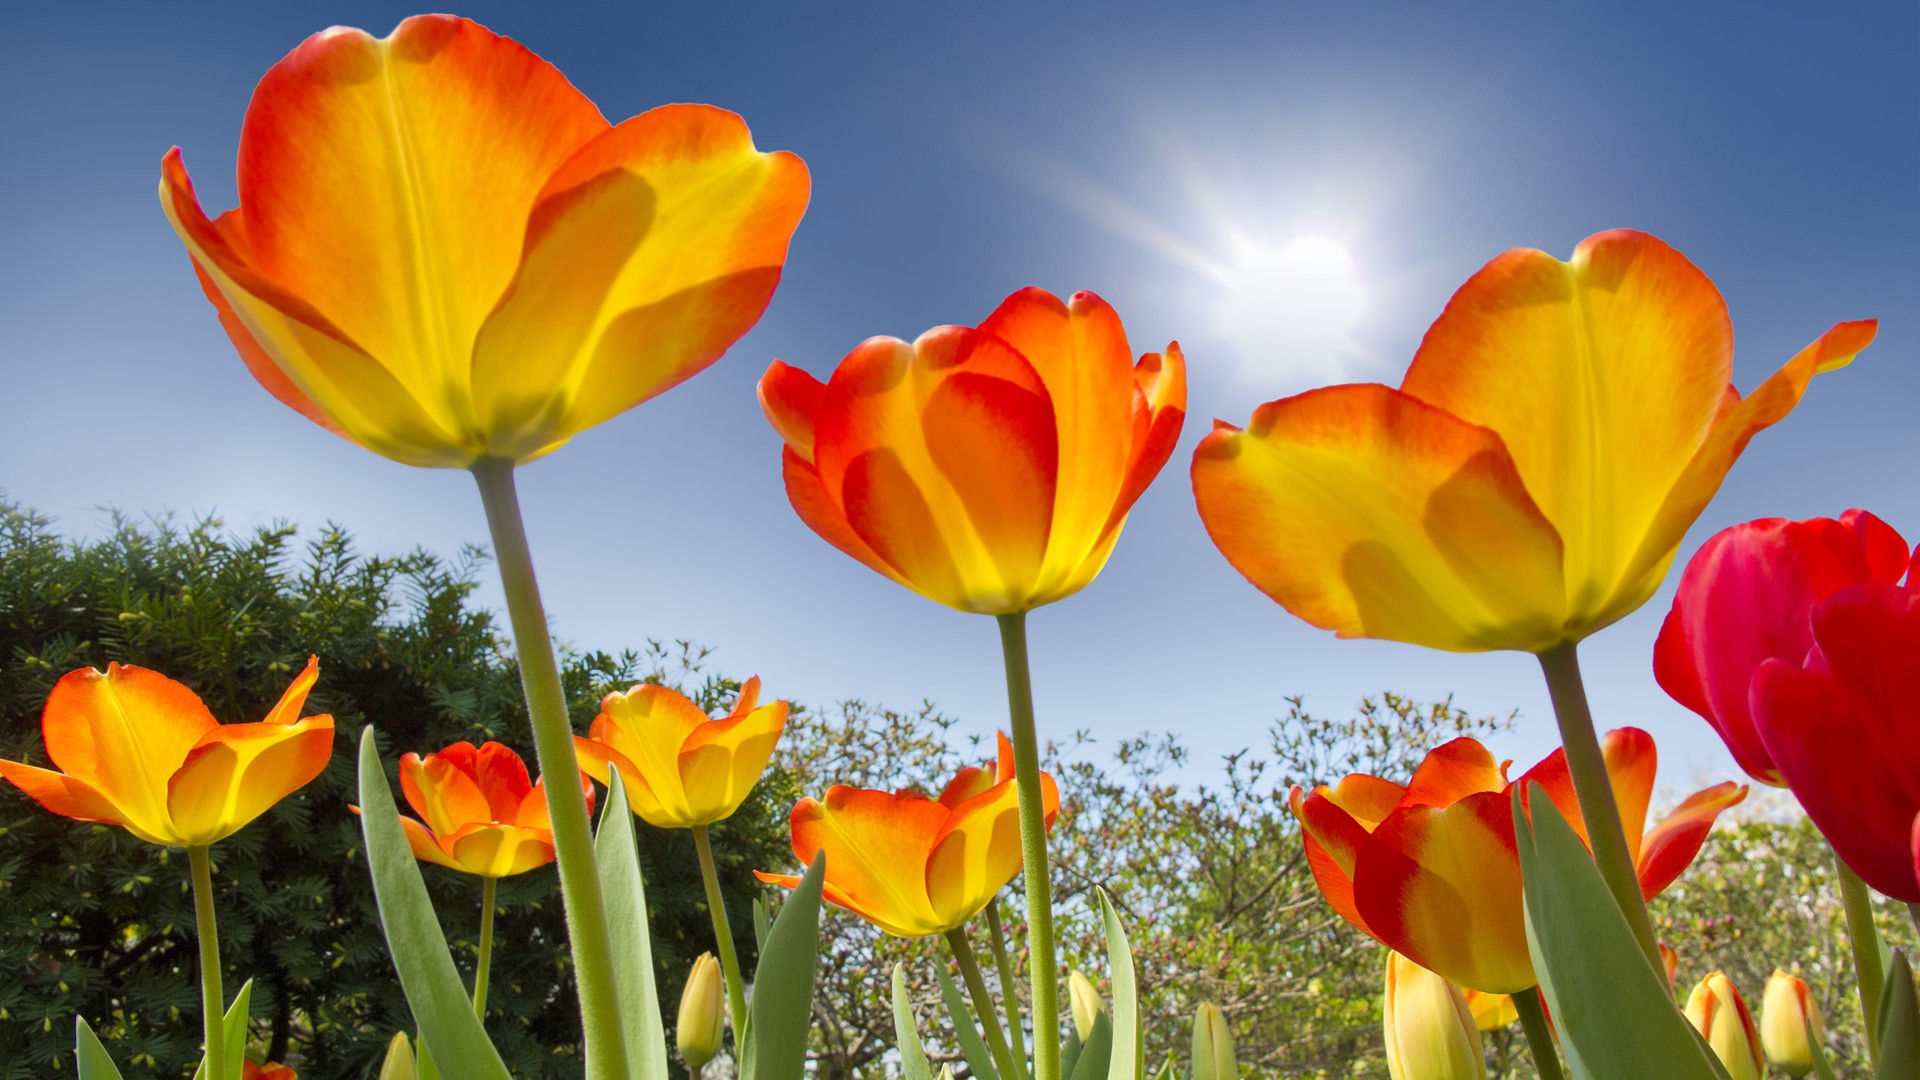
x,y
1821,1069
233,1034
432,984
1899,1024
1095,1058
759,923
1128,1040
1070,1051
428,1070
91,1061
965,1029
1616,1017
626,899
782,1005
913,1057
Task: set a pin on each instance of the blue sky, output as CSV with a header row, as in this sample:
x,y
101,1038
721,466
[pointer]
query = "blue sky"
x,y
1168,158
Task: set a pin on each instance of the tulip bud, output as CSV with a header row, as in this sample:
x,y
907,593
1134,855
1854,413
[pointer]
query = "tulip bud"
x,y
1671,961
1430,1032
399,1064
1212,1045
1087,1005
1786,1012
698,1035
1720,1014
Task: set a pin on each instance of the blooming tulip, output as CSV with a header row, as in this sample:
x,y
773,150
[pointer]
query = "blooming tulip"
x,y
697,1034
444,253
912,865
1718,1012
1086,1003
1561,426
1747,596
1431,870
988,468
682,768
1430,1032
482,814
1786,1012
139,750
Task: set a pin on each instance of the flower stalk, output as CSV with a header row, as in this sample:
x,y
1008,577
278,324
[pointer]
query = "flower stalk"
x,y
1045,968
1864,940
969,964
212,998
1533,1021
485,965
723,933
1004,963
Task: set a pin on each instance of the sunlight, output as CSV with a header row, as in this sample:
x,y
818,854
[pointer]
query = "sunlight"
x,y
1291,311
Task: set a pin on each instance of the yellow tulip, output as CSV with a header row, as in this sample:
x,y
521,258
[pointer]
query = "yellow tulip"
x,y
702,1004
1430,1032
1786,1011
1086,1004
1720,1014
683,769
1212,1045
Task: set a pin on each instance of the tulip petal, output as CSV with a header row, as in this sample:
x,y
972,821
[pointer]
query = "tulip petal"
x,y
1365,511
502,777
1632,762
651,250
294,697
69,797
441,788
978,850
791,398
1451,772
426,847
1159,412
1334,832
649,725
124,734
238,771
1603,376
598,759
878,845
500,850
967,783
722,760
1669,849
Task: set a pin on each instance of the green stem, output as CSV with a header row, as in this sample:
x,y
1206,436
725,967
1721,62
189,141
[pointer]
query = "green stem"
x,y
983,1003
213,1002
1865,942
1533,1021
1004,963
1044,968
485,966
1594,785
723,933
586,908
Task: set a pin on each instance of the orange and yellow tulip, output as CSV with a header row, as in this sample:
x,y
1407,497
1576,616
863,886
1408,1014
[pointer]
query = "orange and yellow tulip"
x,y
444,253
989,468
683,769
1430,869
139,750
1720,1014
481,813
1431,1032
1529,482
269,1071
1789,1014
912,865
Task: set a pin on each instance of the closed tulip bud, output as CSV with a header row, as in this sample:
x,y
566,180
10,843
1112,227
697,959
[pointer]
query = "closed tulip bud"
x,y
700,1007
1721,1015
1786,1012
1430,1032
1087,1006
399,1064
1212,1045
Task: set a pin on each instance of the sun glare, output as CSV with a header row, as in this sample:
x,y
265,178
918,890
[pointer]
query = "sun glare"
x,y
1290,311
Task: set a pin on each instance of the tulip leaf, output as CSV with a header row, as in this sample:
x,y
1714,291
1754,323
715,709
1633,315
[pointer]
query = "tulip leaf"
x,y
233,1037
760,923
913,1057
782,1006
1095,1058
91,1060
1127,1036
428,1070
1820,1067
1070,1051
1899,1023
1616,1016
432,984
965,1029
618,858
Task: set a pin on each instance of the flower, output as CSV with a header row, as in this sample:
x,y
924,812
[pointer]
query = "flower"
x,y
1431,869
1787,1010
682,768
399,1063
1490,1012
1838,723
1718,1012
1430,1032
702,1004
444,253
482,815
1529,482
988,468
911,865
1747,596
139,750
1212,1054
250,1071
1086,1004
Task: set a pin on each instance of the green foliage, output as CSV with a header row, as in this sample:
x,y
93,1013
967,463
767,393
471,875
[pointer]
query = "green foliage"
x,y
97,924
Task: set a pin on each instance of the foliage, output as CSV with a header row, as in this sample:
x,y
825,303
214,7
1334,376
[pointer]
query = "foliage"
x,y
97,923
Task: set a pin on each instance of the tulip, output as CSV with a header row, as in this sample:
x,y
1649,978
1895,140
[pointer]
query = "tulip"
x,y
399,1063
444,253
1717,1011
912,865
683,769
1787,1011
1430,869
482,814
250,1071
1746,597
1430,1032
1491,1012
698,1032
1086,1003
1212,1045
987,468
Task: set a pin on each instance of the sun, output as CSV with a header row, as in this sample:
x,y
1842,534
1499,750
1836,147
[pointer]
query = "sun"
x,y
1290,311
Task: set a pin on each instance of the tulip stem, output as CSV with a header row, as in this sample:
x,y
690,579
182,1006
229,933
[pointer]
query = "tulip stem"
x,y
1594,786
1043,967
723,933
983,1003
1533,1021
1864,940
213,1001
586,909
482,969
1007,986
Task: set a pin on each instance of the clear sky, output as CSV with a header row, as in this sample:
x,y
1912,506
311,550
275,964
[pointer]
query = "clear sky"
x,y
1169,157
